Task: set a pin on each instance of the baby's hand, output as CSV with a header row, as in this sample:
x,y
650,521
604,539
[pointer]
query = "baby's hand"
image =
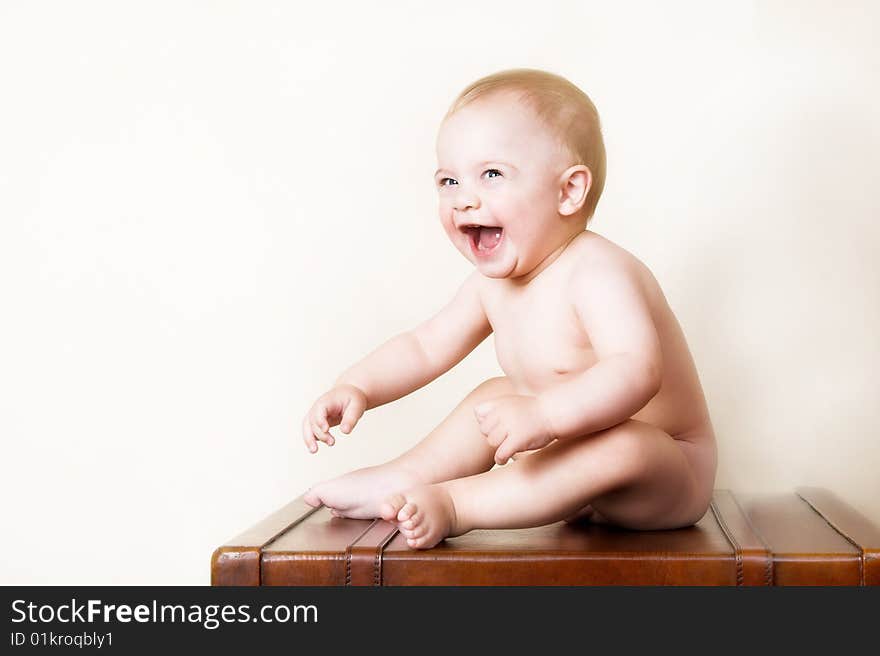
x,y
343,403
513,424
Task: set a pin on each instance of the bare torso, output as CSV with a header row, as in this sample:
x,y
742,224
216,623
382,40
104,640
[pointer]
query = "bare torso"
x,y
540,342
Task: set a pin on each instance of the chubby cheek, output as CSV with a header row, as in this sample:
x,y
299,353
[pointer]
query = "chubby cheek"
x,y
446,220
447,223
455,236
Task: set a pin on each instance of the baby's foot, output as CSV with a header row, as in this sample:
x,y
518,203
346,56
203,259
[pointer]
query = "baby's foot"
x,y
359,494
586,514
425,515
582,515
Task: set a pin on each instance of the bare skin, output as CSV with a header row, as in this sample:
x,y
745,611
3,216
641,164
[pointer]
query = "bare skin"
x,y
600,408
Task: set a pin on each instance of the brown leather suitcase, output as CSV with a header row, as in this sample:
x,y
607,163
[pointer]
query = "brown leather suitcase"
x,y
810,537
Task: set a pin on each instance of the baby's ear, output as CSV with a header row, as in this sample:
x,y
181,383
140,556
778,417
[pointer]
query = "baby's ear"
x,y
574,186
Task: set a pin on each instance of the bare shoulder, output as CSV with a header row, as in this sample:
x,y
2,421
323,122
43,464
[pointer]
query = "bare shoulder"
x,y
597,260
479,286
608,294
474,289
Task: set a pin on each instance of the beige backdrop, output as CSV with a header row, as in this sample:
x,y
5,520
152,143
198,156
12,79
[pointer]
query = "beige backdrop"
x,y
209,209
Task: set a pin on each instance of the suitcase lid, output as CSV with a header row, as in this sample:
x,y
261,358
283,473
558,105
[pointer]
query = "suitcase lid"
x,y
810,537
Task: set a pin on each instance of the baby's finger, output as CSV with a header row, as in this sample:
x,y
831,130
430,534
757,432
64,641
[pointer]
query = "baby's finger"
x,y
354,409
322,411
488,423
308,436
502,455
506,450
322,435
496,437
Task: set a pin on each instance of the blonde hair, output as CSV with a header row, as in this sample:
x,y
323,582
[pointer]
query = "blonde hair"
x,y
564,109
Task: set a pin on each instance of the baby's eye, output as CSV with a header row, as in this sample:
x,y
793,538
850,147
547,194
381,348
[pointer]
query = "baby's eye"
x,y
443,181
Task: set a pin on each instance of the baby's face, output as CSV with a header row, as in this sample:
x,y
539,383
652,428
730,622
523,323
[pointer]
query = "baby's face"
x,y
499,186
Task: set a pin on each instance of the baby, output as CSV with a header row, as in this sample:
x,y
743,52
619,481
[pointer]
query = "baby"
x,y
600,408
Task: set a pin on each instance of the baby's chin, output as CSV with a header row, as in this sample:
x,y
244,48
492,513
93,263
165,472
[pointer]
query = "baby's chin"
x,y
498,269
503,266
496,272
512,267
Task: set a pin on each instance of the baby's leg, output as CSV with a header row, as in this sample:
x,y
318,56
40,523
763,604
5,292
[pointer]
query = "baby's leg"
x,y
634,474
454,449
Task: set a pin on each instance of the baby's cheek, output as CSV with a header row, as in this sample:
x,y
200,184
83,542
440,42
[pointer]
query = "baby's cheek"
x,y
447,223
451,232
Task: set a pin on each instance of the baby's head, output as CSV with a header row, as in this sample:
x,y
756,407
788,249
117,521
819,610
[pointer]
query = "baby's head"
x,y
522,167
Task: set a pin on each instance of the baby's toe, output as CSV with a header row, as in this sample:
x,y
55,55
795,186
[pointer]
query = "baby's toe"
x,y
408,511
416,520
311,497
422,542
391,507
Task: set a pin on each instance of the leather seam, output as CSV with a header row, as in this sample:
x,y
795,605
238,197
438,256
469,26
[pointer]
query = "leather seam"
x,y
737,551
380,549
840,532
301,518
283,531
348,552
768,560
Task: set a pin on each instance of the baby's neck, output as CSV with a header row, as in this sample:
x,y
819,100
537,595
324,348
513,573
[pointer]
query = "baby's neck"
x,y
547,261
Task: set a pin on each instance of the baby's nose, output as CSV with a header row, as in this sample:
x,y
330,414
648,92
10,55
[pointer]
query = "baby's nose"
x,y
466,199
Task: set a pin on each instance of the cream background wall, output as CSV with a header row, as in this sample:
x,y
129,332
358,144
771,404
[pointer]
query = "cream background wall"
x,y
207,210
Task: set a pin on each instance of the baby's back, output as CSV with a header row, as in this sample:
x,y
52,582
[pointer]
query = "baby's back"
x,y
540,342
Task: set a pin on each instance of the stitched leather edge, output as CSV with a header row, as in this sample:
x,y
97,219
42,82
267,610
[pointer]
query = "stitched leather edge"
x,y
768,563
380,552
298,520
747,553
737,550
292,524
348,551
839,530
364,561
257,548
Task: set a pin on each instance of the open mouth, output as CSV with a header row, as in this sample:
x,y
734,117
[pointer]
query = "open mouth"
x,y
484,239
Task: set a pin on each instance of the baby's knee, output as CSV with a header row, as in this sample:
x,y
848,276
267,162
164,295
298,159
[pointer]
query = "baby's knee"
x,y
634,446
493,387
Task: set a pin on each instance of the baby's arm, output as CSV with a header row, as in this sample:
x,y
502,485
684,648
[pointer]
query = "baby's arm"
x,y
612,306
414,358
403,364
